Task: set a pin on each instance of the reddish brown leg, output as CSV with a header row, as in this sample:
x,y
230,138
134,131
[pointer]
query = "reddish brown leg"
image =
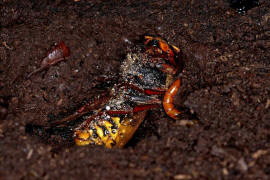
x,y
135,109
118,112
144,91
145,107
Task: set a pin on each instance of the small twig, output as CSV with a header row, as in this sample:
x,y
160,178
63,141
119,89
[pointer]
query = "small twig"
x,y
44,67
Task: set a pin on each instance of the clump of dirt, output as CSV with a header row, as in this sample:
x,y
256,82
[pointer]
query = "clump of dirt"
x,y
225,81
243,6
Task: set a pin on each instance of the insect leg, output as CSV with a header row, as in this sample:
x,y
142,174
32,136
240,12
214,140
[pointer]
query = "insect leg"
x,y
144,91
145,107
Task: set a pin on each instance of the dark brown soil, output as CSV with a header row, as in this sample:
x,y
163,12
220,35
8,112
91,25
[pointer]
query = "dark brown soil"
x,y
226,82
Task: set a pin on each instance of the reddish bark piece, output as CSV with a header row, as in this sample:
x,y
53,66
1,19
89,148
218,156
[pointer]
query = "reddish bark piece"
x,y
55,55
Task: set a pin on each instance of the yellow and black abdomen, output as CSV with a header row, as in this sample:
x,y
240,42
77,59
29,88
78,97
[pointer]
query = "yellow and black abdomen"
x,y
110,131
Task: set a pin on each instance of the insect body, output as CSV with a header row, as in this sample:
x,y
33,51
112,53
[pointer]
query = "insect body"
x,y
146,75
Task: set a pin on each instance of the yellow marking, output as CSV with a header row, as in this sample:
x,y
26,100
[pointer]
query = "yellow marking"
x,y
91,132
82,138
176,48
84,135
108,125
116,120
114,135
103,138
148,37
82,142
97,140
111,136
99,131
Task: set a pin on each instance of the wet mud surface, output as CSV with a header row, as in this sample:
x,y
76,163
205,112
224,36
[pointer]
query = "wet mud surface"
x,y
225,81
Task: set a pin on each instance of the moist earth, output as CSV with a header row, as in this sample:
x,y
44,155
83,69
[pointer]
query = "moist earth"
x,y
225,82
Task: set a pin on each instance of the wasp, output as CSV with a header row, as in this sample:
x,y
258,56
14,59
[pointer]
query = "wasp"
x,y
148,79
